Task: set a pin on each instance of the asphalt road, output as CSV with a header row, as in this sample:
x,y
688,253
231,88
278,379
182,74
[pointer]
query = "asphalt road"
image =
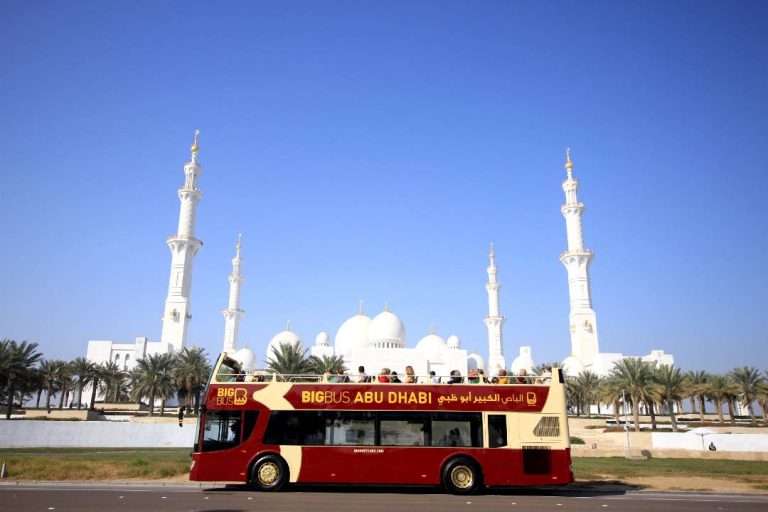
x,y
116,498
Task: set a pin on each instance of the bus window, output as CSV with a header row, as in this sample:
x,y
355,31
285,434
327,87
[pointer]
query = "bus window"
x,y
457,429
224,429
497,430
397,429
296,428
351,428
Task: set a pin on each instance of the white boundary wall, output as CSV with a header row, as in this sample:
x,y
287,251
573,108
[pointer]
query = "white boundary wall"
x,y
723,442
106,434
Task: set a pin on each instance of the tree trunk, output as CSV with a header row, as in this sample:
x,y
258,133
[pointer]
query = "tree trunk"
x,y
162,407
61,397
39,395
652,413
636,414
731,410
719,405
152,402
11,392
95,384
693,404
702,407
672,418
197,402
48,391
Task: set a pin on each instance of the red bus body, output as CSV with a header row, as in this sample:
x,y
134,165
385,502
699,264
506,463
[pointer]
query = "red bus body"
x,y
535,448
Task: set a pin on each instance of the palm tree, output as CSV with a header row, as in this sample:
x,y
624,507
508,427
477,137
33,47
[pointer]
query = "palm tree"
x,y
719,388
326,364
289,359
668,388
51,370
588,383
83,370
696,390
609,392
762,398
113,379
16,361
190,374
66,384
633,376
747,379
154,379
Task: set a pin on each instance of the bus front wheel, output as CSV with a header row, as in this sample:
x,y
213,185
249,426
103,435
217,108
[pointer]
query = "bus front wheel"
x,y
461,476
269,473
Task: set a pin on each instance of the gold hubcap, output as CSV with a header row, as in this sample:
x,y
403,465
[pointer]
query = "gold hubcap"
x,y
268,473
462,477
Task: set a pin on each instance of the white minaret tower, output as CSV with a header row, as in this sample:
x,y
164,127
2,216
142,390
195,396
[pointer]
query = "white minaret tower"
x,y
494,321
577,259
233,313
184,247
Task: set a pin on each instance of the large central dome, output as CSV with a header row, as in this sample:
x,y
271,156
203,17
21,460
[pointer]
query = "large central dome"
x,y
386,331
352,334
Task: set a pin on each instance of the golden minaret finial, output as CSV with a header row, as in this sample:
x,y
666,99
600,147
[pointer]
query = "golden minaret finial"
x,y
195,148
568,163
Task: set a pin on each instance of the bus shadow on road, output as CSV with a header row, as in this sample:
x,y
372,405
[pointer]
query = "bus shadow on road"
x,y
588,489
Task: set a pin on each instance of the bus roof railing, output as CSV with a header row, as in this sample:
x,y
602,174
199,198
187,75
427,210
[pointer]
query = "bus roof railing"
x,y
257,376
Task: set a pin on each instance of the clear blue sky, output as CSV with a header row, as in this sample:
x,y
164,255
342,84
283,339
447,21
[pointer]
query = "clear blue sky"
x,y
372,150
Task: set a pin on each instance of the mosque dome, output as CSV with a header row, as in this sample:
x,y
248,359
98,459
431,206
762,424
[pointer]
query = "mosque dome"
x,y
524,360
386,331
246,358
352,334
321,339
286,337
453,341
475,362
431,344
572,366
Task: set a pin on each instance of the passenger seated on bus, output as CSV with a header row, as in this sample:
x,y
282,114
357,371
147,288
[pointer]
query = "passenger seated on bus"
x,y
481,376
393,378
546,375
452,438
233,435
410,375
361,376
456,377
473,378
384,375
503,377
522,376
430,379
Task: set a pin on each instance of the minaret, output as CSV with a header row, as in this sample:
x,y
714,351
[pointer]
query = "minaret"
x,y
583,321
184,247
233,313
494,321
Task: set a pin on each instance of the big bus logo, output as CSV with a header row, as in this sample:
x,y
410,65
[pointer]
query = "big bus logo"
x,y
231,396
530,398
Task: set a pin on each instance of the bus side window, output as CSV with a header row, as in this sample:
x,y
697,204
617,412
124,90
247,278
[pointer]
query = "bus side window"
x,y
223,429
497,430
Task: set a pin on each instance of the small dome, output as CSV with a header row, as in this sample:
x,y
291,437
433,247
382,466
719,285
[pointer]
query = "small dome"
x,y
386,331
246,358
321,339
282,338
431,344
475,362
524,360
572,366
453,341
352,334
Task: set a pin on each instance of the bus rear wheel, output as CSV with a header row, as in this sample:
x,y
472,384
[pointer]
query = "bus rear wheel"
x,y
269,473
462,476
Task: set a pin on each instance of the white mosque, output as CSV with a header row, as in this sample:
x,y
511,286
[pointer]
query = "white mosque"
x,y
379,341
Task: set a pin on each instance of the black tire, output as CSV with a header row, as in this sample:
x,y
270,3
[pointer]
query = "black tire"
x,y
269,473
462,476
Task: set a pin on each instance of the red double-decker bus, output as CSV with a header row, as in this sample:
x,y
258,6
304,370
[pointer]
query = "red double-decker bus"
x,y
272,430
